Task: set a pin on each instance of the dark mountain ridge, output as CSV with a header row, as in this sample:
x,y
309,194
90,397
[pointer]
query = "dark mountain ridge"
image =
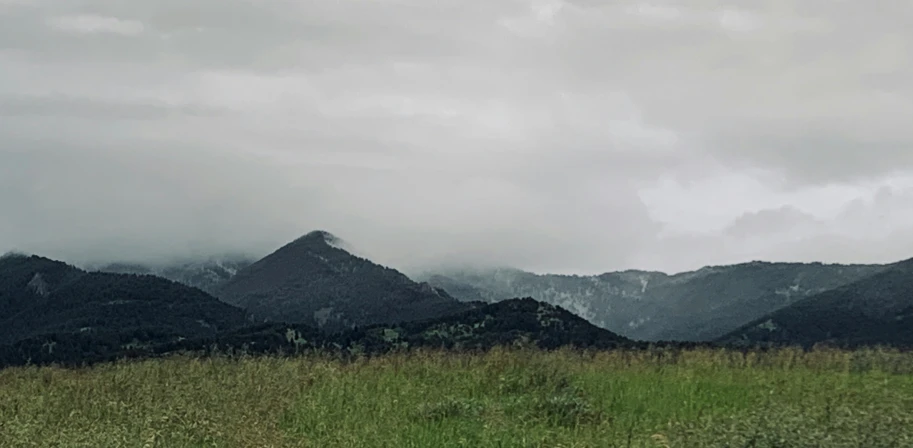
x,y
514,322
206,274
875,310
39,296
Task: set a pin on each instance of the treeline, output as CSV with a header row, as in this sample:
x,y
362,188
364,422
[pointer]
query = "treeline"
x,y
519,322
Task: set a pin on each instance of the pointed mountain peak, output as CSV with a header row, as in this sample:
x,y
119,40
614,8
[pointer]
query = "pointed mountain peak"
x,y
319,238
323,243
319,281
319,235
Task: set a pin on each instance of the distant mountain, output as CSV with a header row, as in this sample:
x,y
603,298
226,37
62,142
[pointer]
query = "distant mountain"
x,y
206,274
875,310
51,301
693,306
314,280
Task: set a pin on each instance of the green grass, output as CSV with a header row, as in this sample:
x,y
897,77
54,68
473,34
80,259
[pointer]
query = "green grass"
x,y
505,398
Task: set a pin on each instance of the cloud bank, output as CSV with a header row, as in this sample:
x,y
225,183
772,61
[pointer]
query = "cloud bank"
x,y
563,136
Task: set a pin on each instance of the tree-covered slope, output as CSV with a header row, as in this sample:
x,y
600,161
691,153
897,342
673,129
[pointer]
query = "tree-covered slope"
x,y
871,311
47,300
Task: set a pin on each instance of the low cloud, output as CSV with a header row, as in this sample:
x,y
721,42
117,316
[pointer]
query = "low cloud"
x,y
92,24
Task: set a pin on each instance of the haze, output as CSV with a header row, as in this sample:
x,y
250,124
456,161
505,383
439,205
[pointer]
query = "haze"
x,y
559,136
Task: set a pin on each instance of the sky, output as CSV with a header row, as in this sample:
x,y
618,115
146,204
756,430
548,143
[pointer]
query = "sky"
x,y
575,136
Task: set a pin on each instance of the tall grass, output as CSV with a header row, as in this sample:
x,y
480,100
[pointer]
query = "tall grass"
x,y
503,398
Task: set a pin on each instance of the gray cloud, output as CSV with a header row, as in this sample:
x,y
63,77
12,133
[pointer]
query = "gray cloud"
x,y
567,136
867,229
766,222
56,106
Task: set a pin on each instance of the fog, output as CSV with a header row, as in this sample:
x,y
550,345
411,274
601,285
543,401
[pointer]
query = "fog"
x,y
553,136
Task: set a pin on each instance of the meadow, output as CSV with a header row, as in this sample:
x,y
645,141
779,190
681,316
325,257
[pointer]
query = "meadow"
x,y
501,398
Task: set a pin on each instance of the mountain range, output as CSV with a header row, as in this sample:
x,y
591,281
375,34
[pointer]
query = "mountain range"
x,y
705,305
309,294
313,293
702,305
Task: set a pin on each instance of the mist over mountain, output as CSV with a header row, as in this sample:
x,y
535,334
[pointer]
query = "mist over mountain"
x,y
315,280
318,286
206,274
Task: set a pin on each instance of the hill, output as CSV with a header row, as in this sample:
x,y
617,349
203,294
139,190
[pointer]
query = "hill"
x,y
513,322
693,306
516,321
315,281
876,310
62,311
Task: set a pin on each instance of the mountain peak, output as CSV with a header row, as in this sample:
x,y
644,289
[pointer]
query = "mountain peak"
x,y
319,235
320,238
317,280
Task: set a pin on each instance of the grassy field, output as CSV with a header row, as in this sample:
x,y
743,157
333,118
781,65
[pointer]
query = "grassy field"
x,y
505,398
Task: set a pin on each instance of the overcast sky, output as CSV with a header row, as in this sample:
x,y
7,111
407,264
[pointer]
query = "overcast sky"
x,y
563,136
